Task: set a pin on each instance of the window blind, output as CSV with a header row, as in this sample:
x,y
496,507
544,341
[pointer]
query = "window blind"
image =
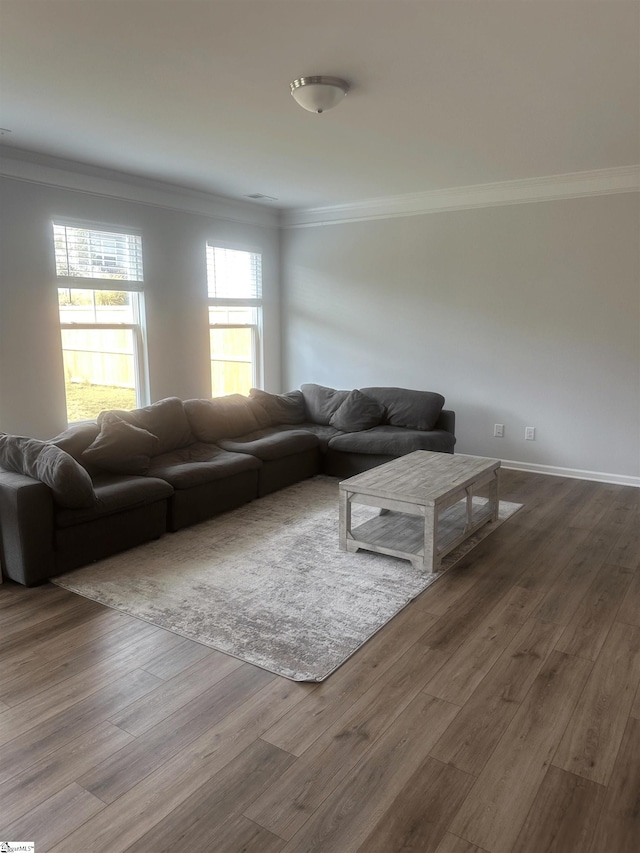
x,y
92,254
233,274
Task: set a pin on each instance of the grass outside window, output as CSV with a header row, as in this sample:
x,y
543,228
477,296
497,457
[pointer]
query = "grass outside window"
x,y
85,401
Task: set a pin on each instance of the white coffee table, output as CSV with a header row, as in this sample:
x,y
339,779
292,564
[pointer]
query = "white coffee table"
x,y
427,505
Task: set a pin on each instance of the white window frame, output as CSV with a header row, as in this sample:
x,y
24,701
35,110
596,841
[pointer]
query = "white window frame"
x,y
228,302
137,327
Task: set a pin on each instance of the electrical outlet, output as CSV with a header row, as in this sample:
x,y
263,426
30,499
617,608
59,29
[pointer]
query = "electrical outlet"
x,y
498,430
530,433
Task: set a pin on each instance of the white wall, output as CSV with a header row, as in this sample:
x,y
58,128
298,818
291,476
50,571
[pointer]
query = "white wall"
x,y
32,400
525,315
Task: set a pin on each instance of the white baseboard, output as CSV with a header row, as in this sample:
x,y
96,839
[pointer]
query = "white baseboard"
x,y
574,473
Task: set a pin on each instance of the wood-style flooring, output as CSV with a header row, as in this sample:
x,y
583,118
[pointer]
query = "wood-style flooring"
x,y
498,713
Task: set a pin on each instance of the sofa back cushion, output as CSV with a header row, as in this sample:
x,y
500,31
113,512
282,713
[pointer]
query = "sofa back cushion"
x,y
357,412
321,402
121,447
76,438
165,419
70,483
280,408
406,408
224,417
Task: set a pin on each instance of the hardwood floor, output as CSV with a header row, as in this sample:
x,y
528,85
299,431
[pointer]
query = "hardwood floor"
x,y
498,713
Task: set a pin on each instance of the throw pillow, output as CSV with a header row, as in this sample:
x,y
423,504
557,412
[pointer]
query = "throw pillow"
x,y
280,408
357,412
221,417
407,408
70,483
76,438
167,419
260,413
121,447
321,402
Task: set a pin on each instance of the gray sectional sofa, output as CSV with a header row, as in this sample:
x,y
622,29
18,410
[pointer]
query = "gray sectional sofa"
x,y
130,476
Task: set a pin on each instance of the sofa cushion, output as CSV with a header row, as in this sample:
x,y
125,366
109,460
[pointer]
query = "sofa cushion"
x,y
323,433
271,444
261,414
116,493
406,408
166,419
357,412
199,464
70,483
393,441
121,447
280,408
76,438
321,402
224,417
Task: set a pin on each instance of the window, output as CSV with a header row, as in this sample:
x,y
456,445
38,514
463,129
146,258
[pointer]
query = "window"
x,y
99,276
235,319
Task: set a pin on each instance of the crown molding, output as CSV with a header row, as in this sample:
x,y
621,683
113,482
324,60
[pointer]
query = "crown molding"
x,y
620,179
94,180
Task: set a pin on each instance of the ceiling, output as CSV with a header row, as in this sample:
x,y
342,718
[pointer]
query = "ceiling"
x,y
445,93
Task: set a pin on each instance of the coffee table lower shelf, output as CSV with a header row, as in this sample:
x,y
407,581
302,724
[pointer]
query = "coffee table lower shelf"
x,y
402,534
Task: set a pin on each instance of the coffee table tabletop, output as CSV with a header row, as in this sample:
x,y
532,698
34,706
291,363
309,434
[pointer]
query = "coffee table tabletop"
x,y
427,503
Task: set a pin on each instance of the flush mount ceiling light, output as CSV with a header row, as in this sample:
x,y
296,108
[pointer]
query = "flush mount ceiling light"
x,y
319,94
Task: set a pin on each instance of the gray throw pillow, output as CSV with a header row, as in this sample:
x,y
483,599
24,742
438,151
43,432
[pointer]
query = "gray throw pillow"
x,y
70,483
407,408
121,447
321,402
76,438
280,408
260,413
221,417
167,419
357,412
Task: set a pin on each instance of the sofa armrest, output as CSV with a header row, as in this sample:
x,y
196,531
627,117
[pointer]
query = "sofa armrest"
x,y
26,529
447,421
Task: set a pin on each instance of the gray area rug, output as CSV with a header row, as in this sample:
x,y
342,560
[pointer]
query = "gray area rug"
x,y
267,583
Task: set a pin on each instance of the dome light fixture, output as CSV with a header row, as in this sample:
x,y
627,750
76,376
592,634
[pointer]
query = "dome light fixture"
x,y
319,94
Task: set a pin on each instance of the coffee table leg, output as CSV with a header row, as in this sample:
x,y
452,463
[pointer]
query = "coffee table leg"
x,y
431,558
469,508
344,516
494,495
